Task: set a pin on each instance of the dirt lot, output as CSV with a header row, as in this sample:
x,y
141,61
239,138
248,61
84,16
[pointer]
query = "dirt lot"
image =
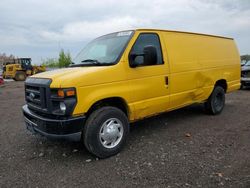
x,y
184,148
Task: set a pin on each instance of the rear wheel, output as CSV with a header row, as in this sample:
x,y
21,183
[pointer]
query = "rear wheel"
x,y
20,76
216,101
106,131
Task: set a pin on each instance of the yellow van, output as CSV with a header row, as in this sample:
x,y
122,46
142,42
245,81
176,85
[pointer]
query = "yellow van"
x,y
125,76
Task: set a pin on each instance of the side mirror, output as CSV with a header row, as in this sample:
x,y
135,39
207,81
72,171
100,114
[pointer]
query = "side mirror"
x,y
150,55
132,62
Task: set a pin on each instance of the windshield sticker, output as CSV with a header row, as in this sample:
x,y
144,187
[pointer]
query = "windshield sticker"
x,y
124,33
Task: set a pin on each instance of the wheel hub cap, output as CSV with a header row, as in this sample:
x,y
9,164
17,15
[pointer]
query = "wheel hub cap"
x,y
111,133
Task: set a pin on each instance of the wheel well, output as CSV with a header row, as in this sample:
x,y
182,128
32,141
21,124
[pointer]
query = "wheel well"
x,y
114,101
222,83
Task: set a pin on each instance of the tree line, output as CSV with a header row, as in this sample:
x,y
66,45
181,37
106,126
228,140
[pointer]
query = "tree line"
x,y
64,60
4,57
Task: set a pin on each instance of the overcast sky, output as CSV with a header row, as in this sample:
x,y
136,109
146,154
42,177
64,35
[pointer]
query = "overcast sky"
x,y
39,29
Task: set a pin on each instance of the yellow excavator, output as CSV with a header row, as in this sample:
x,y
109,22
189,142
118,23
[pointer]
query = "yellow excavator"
x,y
20,68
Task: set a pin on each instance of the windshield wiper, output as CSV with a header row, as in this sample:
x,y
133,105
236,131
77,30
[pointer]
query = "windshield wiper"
x,y
94,62
91,62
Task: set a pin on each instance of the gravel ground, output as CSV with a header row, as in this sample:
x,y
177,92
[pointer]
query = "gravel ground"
x,y
183,148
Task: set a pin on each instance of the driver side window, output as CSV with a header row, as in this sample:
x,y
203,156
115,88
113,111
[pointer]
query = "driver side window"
x,y
143,40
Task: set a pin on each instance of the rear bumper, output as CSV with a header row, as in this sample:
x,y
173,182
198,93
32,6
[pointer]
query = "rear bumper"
x,y
67,129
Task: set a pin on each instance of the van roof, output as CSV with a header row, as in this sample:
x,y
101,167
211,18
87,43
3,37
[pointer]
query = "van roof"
x,y
174,31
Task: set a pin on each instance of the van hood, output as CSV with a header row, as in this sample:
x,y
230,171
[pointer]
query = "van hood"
x,y
245,68
78,76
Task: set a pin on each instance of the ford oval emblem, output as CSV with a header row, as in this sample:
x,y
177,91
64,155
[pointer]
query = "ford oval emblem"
x,y
32,96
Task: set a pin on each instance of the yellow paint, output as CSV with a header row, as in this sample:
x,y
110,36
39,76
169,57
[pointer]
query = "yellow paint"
x,y
192,62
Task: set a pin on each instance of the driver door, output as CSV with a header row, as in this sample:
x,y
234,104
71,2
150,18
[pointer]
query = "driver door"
x,y
149,83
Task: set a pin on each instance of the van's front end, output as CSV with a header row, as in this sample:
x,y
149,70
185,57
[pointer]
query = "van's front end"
x,y
49,111
57,102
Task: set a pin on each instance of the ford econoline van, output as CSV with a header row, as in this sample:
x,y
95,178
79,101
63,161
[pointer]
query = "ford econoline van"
x,y
126,76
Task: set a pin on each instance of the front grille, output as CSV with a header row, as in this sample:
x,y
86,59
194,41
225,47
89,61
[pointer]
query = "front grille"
x,y
245,74
43,101
36,94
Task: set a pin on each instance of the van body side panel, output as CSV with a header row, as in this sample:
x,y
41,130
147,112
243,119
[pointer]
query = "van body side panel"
x,y
197,62
220,60
184,68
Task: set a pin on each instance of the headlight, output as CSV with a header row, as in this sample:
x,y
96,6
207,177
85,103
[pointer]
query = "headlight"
x,y
63,101
62,107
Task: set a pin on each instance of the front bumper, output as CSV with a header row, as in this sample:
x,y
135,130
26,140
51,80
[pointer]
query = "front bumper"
x,y
69,129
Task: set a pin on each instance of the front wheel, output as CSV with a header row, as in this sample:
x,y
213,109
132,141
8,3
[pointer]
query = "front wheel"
x,y
216,101
106,131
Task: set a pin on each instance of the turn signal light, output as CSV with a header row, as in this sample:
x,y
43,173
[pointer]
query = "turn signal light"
x,y
66,93
60,93
70,93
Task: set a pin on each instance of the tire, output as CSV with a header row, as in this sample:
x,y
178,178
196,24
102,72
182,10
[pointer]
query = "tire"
x,y
216,101
20,76
242,86
108,124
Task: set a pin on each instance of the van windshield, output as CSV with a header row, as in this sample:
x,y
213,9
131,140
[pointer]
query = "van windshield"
x,y
247,63
105,50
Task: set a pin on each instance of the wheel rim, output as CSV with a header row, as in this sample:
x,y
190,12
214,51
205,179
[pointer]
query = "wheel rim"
x,y
218,102
111,133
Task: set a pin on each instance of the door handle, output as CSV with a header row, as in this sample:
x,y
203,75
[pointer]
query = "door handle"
x,y
166,80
